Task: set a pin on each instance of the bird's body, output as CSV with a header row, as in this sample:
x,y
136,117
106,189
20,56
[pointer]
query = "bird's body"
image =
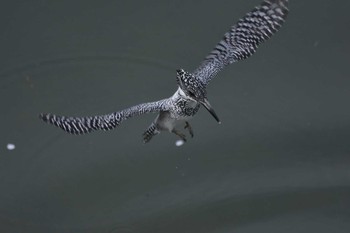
x,y
237,44
181,109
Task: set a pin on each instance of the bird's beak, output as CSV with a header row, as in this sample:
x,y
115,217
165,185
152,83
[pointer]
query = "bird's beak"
x,y
207,105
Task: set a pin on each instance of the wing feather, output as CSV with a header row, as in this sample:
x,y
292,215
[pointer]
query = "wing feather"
x,y
82,125
242,40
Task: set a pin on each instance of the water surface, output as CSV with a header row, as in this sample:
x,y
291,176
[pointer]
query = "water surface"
x,y
279,162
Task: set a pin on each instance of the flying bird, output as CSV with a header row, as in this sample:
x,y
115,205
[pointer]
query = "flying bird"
x,y
239,43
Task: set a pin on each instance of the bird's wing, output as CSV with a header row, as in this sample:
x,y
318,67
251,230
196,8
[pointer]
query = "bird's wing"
x,y
81,125
244,37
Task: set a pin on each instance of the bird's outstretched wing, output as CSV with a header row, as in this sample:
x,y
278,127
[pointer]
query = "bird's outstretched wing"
x,y
81,125
244,37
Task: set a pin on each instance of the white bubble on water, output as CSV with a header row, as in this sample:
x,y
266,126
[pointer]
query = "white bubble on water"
x,y
179,142
10,146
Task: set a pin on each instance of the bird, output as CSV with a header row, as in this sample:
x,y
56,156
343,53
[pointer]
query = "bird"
x,y
239,43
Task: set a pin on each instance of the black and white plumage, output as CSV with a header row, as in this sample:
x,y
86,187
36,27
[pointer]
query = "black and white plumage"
x,y
240,42
81,125
244,37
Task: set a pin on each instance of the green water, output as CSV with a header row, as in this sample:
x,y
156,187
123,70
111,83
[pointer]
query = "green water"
x,y
279,162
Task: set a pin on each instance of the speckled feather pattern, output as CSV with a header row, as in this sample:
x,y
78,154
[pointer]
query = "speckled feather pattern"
x,y
242,40
239,43
81,125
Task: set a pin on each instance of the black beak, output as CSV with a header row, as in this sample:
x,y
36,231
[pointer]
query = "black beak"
x,y
207,105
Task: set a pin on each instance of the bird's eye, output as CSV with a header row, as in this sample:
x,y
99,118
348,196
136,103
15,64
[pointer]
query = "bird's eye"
x,y
191,94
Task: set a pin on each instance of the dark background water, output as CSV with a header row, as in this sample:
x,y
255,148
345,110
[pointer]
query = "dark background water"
x,y
279,162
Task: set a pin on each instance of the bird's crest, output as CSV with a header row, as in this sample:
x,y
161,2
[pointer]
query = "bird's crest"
x,y
192,86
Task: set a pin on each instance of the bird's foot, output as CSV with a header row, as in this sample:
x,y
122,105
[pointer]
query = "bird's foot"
x,y
181,135
189,128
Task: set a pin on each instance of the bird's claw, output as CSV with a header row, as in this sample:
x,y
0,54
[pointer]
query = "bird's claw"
x,y
190,130
181,135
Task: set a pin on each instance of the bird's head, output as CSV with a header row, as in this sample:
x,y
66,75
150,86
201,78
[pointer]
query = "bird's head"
x,y
194,90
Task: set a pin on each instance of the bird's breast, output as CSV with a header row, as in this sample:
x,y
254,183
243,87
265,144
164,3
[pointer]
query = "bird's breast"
x,y
185,108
